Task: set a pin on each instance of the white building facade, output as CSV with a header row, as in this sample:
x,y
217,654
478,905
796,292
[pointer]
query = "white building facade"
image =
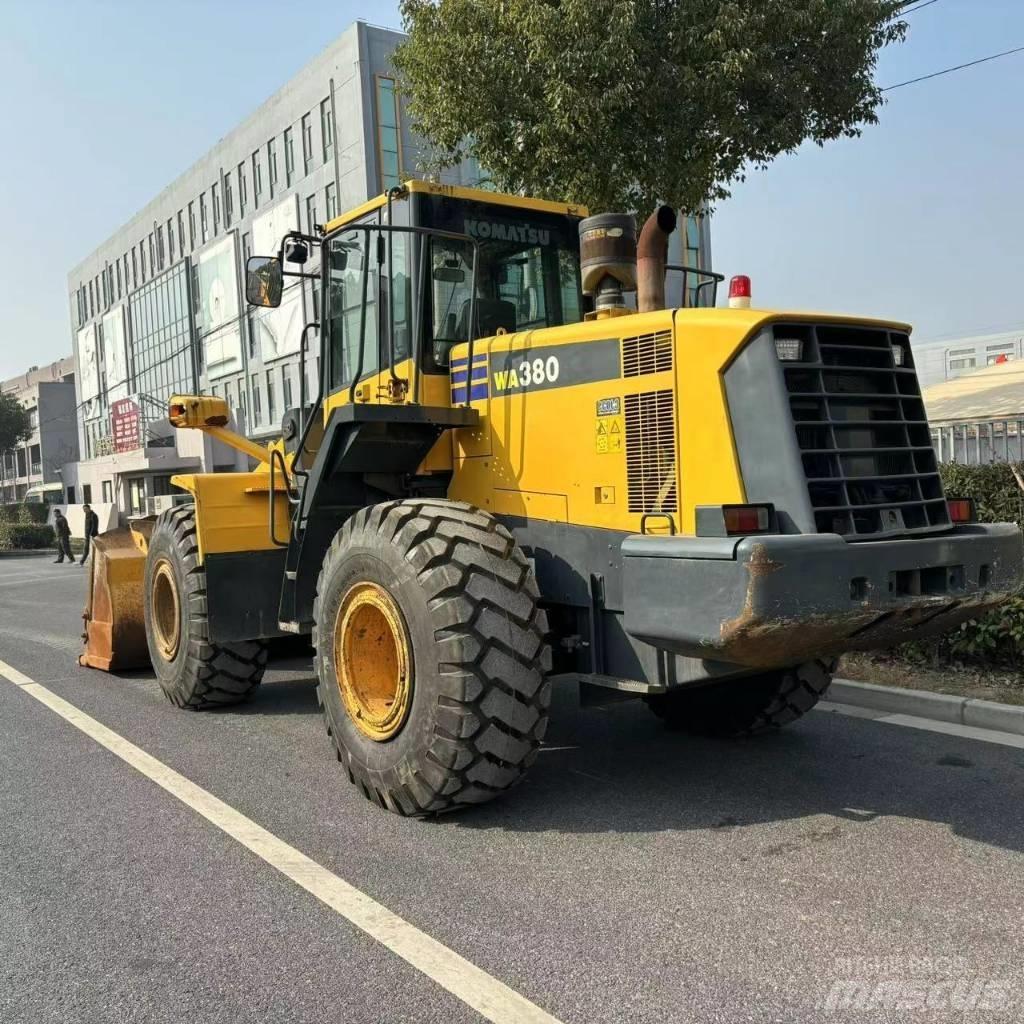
x,y
32,471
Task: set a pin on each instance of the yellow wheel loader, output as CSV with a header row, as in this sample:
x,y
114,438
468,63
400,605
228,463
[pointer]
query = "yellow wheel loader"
x,y
510,479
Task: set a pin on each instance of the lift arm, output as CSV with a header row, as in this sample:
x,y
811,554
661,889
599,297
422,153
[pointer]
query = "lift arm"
x,y
211,415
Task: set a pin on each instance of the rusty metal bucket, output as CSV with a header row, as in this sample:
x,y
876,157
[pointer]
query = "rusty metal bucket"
x,y
115,627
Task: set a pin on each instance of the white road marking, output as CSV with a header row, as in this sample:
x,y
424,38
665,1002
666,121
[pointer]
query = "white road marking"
x,y
492,999
21,581
971,732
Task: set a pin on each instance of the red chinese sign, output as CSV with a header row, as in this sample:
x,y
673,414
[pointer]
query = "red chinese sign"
x,y
125,422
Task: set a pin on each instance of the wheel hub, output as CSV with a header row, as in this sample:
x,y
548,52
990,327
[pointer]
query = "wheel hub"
x,y
166,607
372,664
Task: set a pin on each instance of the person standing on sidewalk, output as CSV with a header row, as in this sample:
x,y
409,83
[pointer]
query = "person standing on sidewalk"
x,y
92,527
63,531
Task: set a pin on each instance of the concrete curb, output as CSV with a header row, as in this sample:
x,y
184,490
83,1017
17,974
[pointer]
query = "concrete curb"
x,y
28,553
940,707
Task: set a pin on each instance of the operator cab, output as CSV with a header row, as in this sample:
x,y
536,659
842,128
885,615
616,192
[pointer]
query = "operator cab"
x,y
458,264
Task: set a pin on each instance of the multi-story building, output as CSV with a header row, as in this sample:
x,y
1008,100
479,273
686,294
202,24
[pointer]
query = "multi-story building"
x,y
32,470
159,306
937,361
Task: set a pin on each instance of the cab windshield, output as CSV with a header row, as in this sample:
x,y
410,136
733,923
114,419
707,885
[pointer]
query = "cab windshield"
x,y
527,277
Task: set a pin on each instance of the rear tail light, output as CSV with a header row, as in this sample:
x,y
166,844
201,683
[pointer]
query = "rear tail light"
x,y
962,510
743,519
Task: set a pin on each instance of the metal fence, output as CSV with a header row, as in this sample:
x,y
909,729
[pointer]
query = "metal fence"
x,y
977,443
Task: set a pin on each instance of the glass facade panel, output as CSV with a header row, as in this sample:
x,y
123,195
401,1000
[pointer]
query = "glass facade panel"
x,y
161,328
257,179
243,197
327,128
389,146
272,166
289,157
307,143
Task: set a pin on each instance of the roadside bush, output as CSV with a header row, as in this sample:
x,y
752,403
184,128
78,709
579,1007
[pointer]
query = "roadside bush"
x,y
24,512
997,639
24,536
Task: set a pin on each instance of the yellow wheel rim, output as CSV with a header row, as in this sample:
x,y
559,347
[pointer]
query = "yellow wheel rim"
x,y
372,664
166,607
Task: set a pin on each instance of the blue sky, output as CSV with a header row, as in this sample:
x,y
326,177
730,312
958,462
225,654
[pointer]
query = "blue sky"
x,y
922,219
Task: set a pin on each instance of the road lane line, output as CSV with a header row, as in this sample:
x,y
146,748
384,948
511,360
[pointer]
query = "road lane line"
x,y
492,999
970,732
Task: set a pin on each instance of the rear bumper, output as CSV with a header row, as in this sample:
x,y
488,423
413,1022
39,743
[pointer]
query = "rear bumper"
x,y
782,599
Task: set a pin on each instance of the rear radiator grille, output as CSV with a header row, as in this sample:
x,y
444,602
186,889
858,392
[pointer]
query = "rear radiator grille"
x,y
651,452
862,432
647,353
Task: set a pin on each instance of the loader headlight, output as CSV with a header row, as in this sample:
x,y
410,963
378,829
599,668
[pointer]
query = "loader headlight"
x,y
789,350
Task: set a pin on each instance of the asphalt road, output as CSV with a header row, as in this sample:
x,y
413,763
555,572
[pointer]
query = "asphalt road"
x,y
638,875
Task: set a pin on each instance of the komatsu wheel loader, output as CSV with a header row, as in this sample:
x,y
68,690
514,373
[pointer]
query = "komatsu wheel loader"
x,y
510,479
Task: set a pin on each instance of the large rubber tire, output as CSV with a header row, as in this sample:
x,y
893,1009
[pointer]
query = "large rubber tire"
x,y
479,699
200,674
748,706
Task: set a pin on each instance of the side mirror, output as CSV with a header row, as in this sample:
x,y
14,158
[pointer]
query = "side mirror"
x,y
264,281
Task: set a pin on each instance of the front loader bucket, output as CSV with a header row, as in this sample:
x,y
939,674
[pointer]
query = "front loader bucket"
x,y
115,627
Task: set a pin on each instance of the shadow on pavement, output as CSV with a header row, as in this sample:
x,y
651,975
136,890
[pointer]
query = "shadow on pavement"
x,y
620,770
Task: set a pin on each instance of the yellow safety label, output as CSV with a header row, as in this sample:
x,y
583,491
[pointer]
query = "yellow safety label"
x,y
608,435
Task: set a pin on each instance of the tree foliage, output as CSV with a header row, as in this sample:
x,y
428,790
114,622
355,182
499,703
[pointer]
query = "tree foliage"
x,y
15,425
620,104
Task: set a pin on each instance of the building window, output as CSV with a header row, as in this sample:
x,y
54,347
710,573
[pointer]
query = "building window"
x,y
271,398
118,270
311,215
289,158
170,239
257,180
181,232
257,413
331,198
108,492
142,261
307,143
215,196
326,128
204,223
87,493
192,227
272,166
229,201
135,271
243,197
152,255
389,146
160,247
286,386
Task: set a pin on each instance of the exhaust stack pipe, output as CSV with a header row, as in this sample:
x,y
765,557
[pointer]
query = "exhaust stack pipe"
x,y
652,257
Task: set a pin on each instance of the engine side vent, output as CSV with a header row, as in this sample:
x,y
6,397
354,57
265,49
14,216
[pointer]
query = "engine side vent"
x,y
647,353
651,452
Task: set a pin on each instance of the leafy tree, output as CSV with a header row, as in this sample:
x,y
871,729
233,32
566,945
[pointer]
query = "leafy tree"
x,y
15,425
620,104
